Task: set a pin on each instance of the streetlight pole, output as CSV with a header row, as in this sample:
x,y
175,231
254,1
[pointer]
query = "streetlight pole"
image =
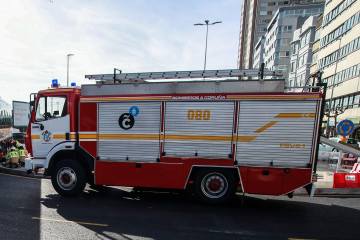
x,y
332,90
207,32
68,57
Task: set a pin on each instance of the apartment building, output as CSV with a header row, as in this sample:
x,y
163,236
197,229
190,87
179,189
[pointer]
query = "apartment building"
x,y
316,45
258,53
279,35
338,58
301,54
255,17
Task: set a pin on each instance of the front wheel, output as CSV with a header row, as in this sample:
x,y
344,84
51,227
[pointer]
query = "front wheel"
x,y
215,185
68,178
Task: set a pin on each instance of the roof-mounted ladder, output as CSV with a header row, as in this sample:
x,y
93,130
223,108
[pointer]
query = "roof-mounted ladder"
x,y
140,77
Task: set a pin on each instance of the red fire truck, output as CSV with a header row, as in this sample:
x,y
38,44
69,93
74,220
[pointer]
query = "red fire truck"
x,y
215,136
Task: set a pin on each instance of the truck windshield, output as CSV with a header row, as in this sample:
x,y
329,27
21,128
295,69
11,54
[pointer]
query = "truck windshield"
x,y
50,108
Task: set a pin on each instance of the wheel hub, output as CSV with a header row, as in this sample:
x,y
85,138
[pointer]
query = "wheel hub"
x,y
66,178
214,185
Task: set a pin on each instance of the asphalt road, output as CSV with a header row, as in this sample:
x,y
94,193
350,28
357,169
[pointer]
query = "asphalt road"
x,y
31,209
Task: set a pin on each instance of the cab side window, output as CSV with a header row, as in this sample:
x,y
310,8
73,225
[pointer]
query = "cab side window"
x,y
51,107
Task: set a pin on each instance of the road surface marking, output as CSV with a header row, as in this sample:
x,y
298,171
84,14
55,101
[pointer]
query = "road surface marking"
x,y
65,221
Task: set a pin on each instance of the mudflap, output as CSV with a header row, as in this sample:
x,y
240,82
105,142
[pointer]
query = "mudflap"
x,y
310,189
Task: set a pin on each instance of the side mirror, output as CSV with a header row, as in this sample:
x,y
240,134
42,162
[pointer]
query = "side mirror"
x,y
32,99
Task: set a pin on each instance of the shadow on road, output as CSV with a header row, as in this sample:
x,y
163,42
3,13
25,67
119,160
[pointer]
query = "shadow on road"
x,y
177,215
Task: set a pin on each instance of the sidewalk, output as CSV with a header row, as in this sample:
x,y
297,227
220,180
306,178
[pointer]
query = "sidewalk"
x,y
323,185
19,171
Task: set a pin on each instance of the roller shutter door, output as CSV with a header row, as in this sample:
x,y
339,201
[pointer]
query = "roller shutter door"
x,y
198,129
281,133
131,142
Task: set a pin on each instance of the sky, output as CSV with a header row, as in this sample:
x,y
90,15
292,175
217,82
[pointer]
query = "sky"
x,y
135,36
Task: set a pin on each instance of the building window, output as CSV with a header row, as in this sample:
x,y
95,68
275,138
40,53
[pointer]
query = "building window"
x,y
263,4
284,54
342,29
337,11
356,101
345,102
262,30
263,13
263,21
351,99
287,29
283,67
341,53
293,66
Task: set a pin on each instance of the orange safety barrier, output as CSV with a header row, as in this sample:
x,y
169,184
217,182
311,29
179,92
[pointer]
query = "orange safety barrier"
x,y
346,180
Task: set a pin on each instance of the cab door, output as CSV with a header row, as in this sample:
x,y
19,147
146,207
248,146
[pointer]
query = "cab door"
x,y
50,125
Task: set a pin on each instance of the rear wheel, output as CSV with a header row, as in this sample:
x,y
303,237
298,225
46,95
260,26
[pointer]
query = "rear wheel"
x,y
68,178
215,185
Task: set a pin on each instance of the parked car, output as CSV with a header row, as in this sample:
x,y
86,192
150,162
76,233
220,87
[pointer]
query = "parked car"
x,y
19,137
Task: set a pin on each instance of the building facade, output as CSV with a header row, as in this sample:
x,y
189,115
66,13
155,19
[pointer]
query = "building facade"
x,y
255,17
279,35
5,114
301,54
258,53
316,45
5,119
338,58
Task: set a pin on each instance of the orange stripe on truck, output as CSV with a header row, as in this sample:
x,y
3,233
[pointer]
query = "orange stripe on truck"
x,y
168,137
263,128
295,115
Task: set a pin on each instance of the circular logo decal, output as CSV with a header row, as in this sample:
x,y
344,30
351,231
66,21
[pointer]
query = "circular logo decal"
x,y
132,109
126,121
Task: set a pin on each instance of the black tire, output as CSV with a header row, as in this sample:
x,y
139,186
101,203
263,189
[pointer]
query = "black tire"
x,y
68,177
215,185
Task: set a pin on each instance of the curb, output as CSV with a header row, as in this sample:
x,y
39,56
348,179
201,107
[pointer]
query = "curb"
x,y
337,191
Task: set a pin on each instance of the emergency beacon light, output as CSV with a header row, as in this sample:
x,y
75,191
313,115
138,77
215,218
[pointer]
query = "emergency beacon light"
x,y
54,83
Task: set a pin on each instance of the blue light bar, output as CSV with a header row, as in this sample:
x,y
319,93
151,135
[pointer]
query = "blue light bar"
x,y
54,83
73,84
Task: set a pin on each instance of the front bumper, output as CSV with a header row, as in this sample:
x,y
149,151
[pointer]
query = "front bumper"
x,y
33,164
